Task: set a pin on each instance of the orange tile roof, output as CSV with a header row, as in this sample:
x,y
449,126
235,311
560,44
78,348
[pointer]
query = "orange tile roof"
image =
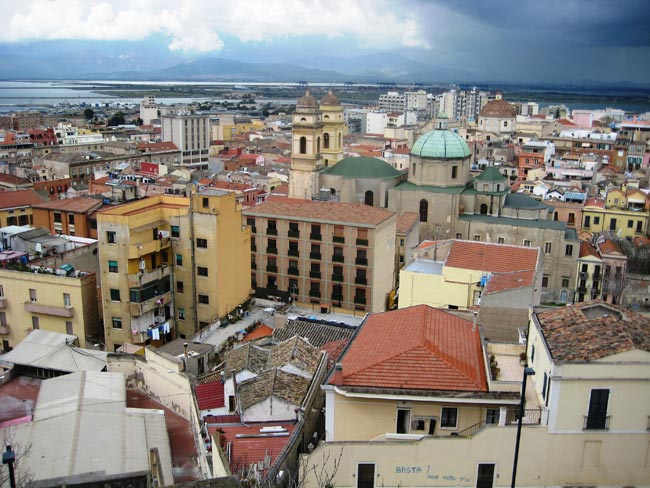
x,y
567,122
19,198
495,258
592,330
406,222
260,331
13,180
351,213
157,146
77,205
586,249
608,246
499,282
419,347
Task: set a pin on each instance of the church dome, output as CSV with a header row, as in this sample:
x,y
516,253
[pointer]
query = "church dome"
x,y
498,108
307,101
440,144
360,167
330,99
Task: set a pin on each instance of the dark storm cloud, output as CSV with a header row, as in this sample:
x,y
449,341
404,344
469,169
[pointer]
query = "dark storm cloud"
x,y
598,22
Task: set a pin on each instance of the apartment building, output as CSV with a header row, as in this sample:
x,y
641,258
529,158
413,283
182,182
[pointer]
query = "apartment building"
x,y
191,134
70,216
616,214
57,300
602,268
16,207
328,254
171,266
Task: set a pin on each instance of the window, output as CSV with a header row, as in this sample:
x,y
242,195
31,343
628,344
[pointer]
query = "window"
x,y
315,232
205,202
477,237
203,243
630,224
117,322
32,295
68,327
271,227
587,222
565,282
303,145
338,234
203,299
526,243
57,217
66,300
492,416
111,237
112,266
568,250
314,289
2,290
454,172
71,219
293,229
176,231
449,417
545,281
612,224
179,260
201,271
572,218
366,475
181,314
115,294
547,247
35,323
597,417
596,220
501,240
403,421
326,140
180,287
424,210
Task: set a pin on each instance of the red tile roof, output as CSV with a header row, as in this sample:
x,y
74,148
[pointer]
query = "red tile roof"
x,y
418,347
608,246
567,122
352,213
248,445
592,330
495,258
260,331
76,205
209,395
157,146
19,198
13,180
499,282
406,222
586,249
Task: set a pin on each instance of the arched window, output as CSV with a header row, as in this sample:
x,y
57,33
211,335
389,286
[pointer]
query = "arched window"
x,y
326,117
318,144
369,198
340,140
302,119
484,209
303,145
326,141
424,210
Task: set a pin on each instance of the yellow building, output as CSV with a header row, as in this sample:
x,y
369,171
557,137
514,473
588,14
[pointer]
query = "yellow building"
x,y
627,223
34,297
171,266
16,207
233,127
585,420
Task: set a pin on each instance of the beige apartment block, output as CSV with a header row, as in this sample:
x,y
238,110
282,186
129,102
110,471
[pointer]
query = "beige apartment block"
x,y
38,298
327,254
171,266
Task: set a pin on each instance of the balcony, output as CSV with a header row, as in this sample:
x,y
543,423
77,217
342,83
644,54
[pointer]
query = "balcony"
x,y
337,297
293,271
336,277
272,268
583,275
338,258
35,307
253,265
361,280
293,252
362,242
361,261
139,279
271,250
253,248
3,302
142,249
137,309
360,300
596,422
315,237
271,232
339,239
294,233
314,255
314,274
314,293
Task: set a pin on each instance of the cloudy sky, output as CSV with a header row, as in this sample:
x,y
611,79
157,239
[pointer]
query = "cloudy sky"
x,y
517,40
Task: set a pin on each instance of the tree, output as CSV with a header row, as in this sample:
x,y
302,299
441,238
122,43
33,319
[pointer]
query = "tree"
x,y
89,113
116,119
23,475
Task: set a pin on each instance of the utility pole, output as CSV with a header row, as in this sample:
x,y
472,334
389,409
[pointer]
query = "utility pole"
x,y
8,457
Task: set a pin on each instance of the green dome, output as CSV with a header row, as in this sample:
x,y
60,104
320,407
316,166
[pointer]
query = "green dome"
x,y
440,144
360,167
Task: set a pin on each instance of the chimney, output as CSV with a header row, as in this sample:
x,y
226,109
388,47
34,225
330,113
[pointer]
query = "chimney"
x,y
475,314
338,374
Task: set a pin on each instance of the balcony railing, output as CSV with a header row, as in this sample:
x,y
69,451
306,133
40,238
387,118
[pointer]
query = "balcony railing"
x,y
138,309
293,271
293,252
336,277
315,237
272,268
532,416
314,274
314,255
271,250
362,242
294,233
142,249
596,422
360,300
360,280
339,239
136,280
314,293
35,307
337,258
583,275
361,261
271,232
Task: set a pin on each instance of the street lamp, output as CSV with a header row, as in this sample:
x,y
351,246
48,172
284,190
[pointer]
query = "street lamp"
x,y
9,457
527,372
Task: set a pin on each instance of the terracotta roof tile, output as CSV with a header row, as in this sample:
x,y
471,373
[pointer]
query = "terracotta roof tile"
x,y
498,108
315,333
350,213
499,282
416,348
77,205
495,258
592,330
157,146
587,249
19,198
406,222
260,331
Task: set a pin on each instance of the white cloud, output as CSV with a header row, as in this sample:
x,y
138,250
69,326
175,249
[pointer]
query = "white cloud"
x,y
199,25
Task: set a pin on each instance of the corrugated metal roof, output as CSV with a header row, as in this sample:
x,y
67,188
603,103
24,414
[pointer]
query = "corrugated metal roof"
x,y
209,395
